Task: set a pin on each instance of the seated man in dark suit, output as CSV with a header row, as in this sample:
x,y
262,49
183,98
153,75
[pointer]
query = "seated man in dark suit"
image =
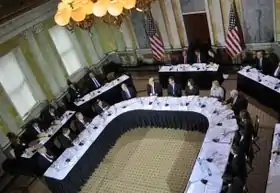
x,y
95,81
59,108
100,106
66,138
127,92
154,88
263,64
50,116
33,131
173,88
236,186
73,91
199,57
237,163
237,102
81,122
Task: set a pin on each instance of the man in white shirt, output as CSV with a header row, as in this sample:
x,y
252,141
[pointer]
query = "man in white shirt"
x,y
154,88
277,71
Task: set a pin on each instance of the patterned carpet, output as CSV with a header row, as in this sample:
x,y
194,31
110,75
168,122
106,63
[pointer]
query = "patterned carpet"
x,y
150,160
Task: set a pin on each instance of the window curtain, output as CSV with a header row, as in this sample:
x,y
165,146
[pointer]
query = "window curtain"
x,y
16,88
66,50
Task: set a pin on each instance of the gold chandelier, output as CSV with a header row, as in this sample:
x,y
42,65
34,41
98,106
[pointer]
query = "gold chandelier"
x,y
82,13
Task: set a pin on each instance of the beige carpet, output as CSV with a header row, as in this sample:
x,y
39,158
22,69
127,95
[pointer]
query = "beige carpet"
x,y
150,160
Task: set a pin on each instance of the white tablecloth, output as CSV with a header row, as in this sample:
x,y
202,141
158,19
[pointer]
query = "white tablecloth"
x,y
268,81
190,68
97,92
273,181
51,131
221,126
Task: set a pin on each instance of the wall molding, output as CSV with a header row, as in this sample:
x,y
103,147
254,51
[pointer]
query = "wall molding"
x,y
27,20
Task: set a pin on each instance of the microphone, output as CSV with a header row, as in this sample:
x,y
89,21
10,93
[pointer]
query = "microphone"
x,y
141,101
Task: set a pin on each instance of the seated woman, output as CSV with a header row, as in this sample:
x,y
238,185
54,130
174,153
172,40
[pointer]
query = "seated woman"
x,y
191,88
217,91
16,143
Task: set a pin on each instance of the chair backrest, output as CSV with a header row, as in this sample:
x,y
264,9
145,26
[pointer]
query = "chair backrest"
x,y
256,126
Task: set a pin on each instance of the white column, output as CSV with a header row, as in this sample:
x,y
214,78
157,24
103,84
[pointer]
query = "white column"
x,y
52,61
43,65
95,58
172,24
209,22
158,17
96,43
217,22
128,38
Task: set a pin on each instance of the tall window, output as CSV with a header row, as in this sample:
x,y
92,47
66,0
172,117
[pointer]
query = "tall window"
x,y
66,49
15,84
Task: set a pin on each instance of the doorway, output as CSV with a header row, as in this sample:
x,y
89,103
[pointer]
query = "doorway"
x,y
197,27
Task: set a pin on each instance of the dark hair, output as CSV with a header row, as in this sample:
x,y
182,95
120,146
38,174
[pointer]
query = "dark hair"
x,y
171,78
69,82
12,137
244,114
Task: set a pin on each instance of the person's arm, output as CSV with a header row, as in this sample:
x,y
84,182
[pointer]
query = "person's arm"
x,y
159,90
222,93
179,90
169,91
148,90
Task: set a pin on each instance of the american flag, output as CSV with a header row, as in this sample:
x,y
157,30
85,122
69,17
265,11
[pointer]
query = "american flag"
x,y
234,38
155,40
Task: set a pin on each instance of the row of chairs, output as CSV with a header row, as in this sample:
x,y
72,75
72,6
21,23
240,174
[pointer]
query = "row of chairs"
x,y
237,185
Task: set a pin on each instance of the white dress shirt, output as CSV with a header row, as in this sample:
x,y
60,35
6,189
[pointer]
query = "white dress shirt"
x,y
217,92
95,81
277,71
127,93
37,129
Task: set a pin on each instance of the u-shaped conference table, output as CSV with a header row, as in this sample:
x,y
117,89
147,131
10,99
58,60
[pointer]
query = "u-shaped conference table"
x,y
72,169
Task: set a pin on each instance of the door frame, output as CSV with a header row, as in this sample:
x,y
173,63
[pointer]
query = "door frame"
x,y
209,21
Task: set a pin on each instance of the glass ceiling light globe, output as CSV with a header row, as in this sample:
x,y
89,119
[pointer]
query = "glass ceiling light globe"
x,y
62,18
78,14
128,4
62,5
99,8
67,1
115,8
87,6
